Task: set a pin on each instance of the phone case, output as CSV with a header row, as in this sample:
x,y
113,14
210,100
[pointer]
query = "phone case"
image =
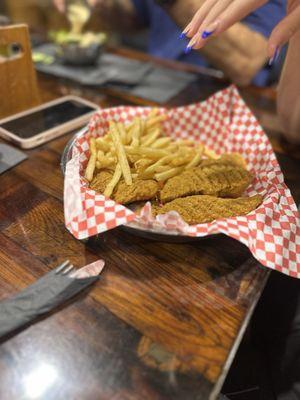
x,y
50,134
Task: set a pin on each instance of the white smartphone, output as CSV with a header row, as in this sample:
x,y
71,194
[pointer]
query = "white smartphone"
x,y
38,125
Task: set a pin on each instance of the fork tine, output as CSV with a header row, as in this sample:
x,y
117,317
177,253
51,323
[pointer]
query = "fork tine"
x,y
62,266
67,270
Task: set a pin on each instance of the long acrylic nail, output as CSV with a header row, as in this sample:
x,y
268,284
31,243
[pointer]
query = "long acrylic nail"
x,y
206,34
188,49
275,56
209,30
185,32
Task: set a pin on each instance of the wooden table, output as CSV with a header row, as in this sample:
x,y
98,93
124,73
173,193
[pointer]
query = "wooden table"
x,y
164,321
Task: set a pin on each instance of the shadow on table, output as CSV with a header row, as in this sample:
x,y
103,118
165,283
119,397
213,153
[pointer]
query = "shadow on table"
x,y
219,264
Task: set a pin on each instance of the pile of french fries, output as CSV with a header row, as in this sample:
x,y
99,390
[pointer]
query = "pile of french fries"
x,y
141,150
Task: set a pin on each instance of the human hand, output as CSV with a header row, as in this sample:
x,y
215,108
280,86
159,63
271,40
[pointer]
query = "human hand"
x,y
216,16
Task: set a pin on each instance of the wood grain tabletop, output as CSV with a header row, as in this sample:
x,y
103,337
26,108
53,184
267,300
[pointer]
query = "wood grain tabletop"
x,y
164,321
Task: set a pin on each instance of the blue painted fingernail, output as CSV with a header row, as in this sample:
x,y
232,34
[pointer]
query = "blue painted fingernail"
x,y
188,49
206,34
275,56
182,35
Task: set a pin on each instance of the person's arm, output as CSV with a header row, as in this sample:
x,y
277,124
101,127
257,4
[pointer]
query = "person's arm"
x,y
240,52
288,98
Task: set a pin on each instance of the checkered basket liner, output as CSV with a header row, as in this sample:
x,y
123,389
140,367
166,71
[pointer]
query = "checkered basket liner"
x,y
225,124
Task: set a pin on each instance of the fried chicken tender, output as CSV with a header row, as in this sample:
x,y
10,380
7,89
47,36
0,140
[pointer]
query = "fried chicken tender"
x,y
220,178
200,209
234,159
140,190
101,180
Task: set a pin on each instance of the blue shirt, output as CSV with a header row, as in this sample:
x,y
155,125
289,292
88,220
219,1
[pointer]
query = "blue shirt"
x,y
164,33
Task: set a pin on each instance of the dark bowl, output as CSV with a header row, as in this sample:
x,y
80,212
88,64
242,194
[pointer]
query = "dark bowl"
x,y
73,54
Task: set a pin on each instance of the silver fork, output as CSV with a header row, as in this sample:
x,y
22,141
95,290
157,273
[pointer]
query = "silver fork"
x,y
64,269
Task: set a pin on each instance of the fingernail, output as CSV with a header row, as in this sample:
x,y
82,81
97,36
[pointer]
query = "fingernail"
x,y
275,56
182,35
188,49
206,34
210,30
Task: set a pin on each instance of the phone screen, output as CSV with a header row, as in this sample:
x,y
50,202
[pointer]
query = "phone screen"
x,y
39,121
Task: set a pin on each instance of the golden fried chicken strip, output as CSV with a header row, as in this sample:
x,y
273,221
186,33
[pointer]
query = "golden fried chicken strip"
x,y
216,178
140,190
200,209
234,159
101,180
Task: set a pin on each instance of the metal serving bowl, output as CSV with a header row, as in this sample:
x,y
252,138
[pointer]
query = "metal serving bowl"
x,y
73,54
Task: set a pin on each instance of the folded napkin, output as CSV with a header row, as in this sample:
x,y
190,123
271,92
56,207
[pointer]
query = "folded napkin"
x,y
45,295
10,157
137,78
162,84
110,68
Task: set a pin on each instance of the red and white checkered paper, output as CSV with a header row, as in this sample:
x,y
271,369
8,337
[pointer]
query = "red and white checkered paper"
x,y
225,124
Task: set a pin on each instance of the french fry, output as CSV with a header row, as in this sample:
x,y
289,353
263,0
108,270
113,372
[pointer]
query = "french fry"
x,y
210,153
114,181
129,126
121,154
153,128
132,158
143,127
142,164
89,172
149,174
113,150
161,143
186,142
154,154
122,133
200,148
181,155
107,138
182,159
100,166
151,138
165,160
162,168
100,154
183,150
195,161
172,147
154,120
102,145
128,136
111,154
106,162
152,113
93,147
136,132
163,176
